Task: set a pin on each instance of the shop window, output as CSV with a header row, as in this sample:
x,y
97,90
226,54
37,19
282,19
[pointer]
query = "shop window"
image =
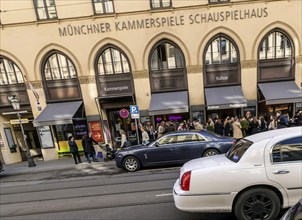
x,y
9,72
103,6
160,4
58,66
112,61
10,140
45,9
289,150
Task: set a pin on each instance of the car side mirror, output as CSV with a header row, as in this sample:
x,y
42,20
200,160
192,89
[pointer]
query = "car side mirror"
x,y
156,144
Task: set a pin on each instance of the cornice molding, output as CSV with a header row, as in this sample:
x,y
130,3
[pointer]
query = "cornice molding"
x,y
248,64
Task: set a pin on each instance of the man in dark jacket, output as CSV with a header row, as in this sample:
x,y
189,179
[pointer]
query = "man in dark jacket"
x,y
87,143
282,120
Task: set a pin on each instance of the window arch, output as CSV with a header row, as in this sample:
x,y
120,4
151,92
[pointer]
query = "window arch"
x,y
166,56
221,51
58,66
275,45
167,67
221,62
276,57
112,61
9,72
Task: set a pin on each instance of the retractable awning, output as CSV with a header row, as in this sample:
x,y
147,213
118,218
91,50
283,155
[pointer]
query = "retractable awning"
x,y
280,92
225,97
169,103
57,114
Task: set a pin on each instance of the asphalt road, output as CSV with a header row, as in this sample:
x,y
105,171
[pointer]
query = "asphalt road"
x,y
104,194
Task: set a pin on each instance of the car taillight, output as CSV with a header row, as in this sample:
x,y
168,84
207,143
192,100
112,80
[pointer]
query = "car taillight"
x,y
185,181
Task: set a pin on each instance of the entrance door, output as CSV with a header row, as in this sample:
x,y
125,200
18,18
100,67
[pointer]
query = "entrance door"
x,y
117,123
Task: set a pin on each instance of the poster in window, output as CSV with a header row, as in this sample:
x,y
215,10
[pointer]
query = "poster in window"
x,y
80,128
45,137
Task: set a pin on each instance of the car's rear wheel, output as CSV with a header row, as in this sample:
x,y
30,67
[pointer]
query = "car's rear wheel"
x,y
131,164
210,152
257,203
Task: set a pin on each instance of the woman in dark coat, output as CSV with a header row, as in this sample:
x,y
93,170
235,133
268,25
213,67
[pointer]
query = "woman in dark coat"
x,y
87,143
74,150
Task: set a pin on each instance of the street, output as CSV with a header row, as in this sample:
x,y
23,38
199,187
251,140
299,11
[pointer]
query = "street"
x,y
94,191
105,195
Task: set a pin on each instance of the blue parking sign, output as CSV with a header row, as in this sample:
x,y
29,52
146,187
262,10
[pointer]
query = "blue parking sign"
x,y
134,109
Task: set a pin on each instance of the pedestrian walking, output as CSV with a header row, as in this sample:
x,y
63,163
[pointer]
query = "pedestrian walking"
x,y
161,129
73,147
124,142
282,120
145,136
89,150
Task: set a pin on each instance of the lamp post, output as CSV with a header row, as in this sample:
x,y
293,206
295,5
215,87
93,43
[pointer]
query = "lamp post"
x,y
16,105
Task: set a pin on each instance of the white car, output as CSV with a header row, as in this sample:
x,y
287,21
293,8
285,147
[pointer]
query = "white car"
x,y
259,175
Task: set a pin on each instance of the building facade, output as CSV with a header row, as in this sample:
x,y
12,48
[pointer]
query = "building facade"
x,y
77,66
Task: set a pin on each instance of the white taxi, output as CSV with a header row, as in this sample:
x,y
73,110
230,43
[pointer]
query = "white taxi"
x,y
258,176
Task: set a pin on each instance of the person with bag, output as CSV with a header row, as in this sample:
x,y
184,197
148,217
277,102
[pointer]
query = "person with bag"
x,y
74,150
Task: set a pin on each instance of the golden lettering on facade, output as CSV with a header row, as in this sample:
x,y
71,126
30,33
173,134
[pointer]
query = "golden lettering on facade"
x,y
163,22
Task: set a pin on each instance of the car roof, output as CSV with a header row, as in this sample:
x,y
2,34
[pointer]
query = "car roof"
x,y
273,133
203,132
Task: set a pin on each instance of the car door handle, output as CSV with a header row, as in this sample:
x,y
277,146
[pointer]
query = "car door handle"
x,y
280,171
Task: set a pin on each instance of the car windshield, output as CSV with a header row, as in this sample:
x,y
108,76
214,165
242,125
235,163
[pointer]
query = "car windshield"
x,y
238,150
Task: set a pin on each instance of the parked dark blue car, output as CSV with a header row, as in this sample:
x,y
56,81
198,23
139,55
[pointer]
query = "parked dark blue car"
x,y
173,149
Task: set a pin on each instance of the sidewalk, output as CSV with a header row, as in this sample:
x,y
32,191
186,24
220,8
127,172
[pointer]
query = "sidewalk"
x,y
51,165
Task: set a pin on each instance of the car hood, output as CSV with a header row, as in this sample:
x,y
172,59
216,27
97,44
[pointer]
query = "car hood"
x,y
133,148
206,162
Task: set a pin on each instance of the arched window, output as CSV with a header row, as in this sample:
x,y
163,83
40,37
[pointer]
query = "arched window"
x,y
221,62
9,72
112,61
220,51
167,68
113,72
274,46
166,57
60,78
59,66
276,57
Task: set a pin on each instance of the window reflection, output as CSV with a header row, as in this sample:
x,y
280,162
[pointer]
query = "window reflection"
x,y
9,72
276,45
112,61
58,66
221,51
165,57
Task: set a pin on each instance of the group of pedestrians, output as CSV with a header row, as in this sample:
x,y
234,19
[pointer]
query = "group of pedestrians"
x,y
89,151
249,124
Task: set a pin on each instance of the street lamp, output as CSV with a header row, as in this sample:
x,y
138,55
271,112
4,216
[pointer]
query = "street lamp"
x,y
16,105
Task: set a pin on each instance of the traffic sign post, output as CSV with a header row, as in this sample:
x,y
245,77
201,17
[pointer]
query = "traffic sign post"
x,y
134,111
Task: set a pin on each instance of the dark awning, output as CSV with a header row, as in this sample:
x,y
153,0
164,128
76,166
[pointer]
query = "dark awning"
x,y
225,97
281,92
169,103
57,114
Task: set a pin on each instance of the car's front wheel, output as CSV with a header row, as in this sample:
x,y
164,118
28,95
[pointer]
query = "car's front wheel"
x,y
257,203
131,164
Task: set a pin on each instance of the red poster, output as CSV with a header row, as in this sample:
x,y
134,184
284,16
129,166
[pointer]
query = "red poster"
x,y
96,130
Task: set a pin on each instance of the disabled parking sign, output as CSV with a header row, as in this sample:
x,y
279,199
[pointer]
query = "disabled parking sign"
x,y
134,111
